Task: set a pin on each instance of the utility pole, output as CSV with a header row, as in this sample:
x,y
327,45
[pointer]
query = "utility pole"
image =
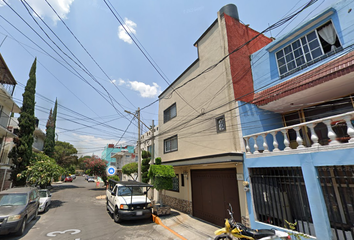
x,y
139,139
152,151
152,143
139,147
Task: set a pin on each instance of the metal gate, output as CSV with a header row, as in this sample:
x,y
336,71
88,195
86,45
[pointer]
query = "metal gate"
x,y
280,197
212,191
337,184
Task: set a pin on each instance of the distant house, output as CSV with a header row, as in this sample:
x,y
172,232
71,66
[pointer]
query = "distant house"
x,y
111,149
122,158
7,107
38,135
298,128
148,143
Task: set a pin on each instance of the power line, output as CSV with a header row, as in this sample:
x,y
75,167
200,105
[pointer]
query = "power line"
x,y
150,60
87,51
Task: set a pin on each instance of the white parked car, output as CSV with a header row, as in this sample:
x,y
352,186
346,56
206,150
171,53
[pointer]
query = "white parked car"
x,y
90,179
44,200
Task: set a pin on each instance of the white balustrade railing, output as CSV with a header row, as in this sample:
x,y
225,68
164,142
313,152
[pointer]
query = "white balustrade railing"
x,y
333,130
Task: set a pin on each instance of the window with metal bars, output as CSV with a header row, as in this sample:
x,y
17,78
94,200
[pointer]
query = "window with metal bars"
x,y
279,196
337,184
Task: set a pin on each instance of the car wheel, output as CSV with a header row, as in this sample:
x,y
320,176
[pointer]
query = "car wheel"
x,y
22,228
46,208
116,216
107,206
35,215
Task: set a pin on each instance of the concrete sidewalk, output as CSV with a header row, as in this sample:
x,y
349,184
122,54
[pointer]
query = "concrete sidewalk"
x,y
184,226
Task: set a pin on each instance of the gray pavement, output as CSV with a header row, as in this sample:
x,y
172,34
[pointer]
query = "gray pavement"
x,y
184,226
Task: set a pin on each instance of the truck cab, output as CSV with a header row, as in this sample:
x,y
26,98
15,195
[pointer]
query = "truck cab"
x,y
127,200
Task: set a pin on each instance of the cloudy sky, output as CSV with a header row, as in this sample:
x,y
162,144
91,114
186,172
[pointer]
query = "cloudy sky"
x,y
87,60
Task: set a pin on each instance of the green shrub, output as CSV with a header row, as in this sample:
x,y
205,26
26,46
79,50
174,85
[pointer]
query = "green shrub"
x,y
158,161
161,176
114,177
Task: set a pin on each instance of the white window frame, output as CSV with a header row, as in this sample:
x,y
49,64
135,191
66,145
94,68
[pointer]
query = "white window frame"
x,y
168,144
305,54
168,114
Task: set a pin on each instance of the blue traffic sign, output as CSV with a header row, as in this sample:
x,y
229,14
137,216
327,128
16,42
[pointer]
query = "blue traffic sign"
x,y
111,170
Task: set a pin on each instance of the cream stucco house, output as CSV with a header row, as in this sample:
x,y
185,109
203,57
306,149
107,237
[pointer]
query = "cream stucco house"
x,y
199,130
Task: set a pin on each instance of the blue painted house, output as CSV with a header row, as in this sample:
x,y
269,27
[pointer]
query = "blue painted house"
x,y
298,128
110,150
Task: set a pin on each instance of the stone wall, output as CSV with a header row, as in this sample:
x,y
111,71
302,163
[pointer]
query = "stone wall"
x,y
178,204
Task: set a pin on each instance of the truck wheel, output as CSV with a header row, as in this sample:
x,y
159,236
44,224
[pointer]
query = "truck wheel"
x,y
116,216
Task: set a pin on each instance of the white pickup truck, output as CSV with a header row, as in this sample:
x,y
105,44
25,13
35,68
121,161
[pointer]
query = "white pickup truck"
x,y
127,200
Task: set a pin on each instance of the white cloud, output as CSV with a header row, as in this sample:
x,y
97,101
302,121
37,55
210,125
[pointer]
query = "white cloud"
x,y
118,82
88,142
2,3
62,7
121,82
145,90
130,27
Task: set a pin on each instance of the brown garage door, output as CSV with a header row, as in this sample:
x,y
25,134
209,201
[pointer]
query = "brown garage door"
x,y
212,191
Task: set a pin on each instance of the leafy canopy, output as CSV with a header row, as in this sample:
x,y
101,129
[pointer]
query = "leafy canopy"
x,y
97,166
130,169
161,176
65,154
42,170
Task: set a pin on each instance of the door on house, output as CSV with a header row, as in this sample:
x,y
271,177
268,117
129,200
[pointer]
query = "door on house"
x,y
212,191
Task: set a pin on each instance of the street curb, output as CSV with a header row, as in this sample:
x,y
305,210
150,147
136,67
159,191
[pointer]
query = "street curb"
x,y
157,220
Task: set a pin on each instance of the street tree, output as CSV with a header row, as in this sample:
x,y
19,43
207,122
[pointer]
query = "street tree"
x,y
81,162
21,153
131,169
145,165
49,141
97,167
41,171
65,154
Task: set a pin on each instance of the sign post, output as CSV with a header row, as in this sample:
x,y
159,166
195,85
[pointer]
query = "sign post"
x,y
111,170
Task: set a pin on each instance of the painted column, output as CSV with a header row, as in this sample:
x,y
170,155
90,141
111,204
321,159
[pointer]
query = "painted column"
x,y
316,201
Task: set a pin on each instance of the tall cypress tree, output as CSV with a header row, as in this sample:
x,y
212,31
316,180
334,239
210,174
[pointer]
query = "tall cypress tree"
x,y
22,151
49,136
49,142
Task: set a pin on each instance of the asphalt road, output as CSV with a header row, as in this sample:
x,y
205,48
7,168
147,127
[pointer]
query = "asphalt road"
x,y
76,214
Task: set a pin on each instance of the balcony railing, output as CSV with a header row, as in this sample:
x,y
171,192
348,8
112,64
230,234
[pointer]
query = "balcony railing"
x,y
334,131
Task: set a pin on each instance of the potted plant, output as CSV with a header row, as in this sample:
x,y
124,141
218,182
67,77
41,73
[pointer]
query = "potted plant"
x,y
161,178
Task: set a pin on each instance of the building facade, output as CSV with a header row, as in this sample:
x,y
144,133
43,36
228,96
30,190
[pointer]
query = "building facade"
x,y
298,128
110,150
122,158
7,107
148,142
199,132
